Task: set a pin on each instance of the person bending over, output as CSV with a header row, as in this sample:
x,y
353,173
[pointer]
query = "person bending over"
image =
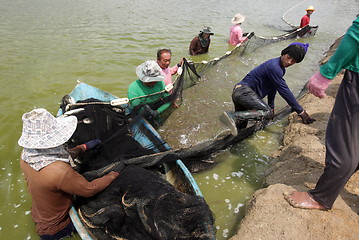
x,y
51,181
266,80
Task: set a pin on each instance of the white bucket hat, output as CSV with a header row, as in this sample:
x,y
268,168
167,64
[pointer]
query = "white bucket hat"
x,y
238,18
149,71
42,130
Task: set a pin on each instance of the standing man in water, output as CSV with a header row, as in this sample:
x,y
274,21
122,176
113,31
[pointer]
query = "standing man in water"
x,y
266,80
236,32
200,44
164,60
306,18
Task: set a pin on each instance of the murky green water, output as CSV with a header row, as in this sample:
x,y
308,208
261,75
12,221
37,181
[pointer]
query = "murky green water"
x,y
47,45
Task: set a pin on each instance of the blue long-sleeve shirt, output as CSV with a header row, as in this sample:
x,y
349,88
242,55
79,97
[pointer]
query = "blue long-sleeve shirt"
x,y
267,80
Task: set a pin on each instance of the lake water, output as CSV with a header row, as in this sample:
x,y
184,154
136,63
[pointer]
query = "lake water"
x,y
47,45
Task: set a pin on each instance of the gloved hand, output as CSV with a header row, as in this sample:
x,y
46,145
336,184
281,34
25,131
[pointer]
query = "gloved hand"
x,y
306,118
318,84
149,113
92,144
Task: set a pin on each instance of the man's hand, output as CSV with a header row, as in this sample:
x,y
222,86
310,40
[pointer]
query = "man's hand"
x,y
79,149
149,113
306,118
113,175
92,144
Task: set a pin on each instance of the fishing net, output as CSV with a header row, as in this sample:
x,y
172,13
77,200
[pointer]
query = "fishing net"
x,y
140,203
200,67
190,76
258,41
192,71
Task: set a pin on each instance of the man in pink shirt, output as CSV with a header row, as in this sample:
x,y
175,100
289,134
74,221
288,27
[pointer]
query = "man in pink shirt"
x,y
306,18
236,33
164,61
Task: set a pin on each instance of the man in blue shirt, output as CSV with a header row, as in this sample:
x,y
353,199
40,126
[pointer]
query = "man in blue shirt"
x,y
266,80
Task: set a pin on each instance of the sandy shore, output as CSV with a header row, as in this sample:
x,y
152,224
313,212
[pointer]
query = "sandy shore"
x,y
297,165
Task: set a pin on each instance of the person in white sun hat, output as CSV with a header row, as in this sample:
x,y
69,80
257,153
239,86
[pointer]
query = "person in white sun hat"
x,y
306,18
236,32
51,181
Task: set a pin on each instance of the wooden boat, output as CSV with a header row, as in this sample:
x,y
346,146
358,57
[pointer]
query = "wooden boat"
x,y
175,172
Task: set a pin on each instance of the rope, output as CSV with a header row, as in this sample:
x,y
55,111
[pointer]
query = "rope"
x,y
108,103
290,24
147,95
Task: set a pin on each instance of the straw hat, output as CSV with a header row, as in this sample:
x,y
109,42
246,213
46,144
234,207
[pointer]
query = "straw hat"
x,y
238,18
310,8
149,71
42,130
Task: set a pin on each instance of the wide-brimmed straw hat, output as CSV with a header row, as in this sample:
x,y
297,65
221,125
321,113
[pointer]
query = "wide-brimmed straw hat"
x,y
42,130
310,8
149,71
238,18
